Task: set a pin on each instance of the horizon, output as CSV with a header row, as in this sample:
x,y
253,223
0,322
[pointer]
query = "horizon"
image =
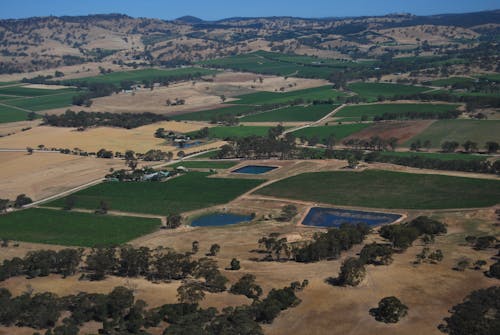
x,y
223,9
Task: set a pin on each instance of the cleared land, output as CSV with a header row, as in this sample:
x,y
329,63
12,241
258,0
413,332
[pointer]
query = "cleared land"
x,y
181,194
460,131
402,130
371,91
386,189
323,132
44,174
292,114
356,112
73,228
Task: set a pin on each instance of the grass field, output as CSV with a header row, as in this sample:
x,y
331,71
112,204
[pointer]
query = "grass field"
x,y
44,102
9,114
208,115
355,112
323,132
291,114
181,194
460,131
237,131
269,98
22,91
371,91
72,228
451,81
437,155
140,75
387,189
205,164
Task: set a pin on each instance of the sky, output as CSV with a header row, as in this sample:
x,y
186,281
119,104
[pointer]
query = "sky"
x,y
219,9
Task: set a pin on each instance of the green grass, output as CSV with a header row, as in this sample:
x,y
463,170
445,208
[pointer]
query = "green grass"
x,y
44,102
355,112
291,114
9,114
205,164
185,193
237,131
492,77
437,155
371,91
387,189
208,115
9,83
269,98
451,81
323,132
460,131
72,228
22,91
140,75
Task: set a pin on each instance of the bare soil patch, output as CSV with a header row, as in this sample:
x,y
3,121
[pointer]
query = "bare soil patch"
x,y
403,131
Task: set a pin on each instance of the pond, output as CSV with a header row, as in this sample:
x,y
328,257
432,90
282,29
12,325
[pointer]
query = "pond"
x,y
334,217
254,169
220,219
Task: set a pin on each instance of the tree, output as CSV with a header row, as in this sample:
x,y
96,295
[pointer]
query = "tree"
x,y
190,293
101,262
3,204
491,147
29,150
390,310
494,270
470,146
223,98
352,272
31,116
174,220
235,264
195,246
103,207
246,286
69,203
181,154
449,146
352,162
22,200
214,249
376,254
288,212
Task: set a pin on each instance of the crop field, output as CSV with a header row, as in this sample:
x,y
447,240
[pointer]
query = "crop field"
x,y
140,75
181,194
49,226
436,155
308,95
237,131
291,114
356,112
9,114
205,164
451,81
323,132
460,131
387,189
371,91
22,91
208,115
44,102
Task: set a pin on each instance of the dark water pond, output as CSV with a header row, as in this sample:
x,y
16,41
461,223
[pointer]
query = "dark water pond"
x,y
254,169
220,219
334,217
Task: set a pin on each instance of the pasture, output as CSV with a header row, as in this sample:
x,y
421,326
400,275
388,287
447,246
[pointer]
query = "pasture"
x,y
40,225
460,131
356,112
237,131
307,95
371,91
323,132
181,194
387,189
292,114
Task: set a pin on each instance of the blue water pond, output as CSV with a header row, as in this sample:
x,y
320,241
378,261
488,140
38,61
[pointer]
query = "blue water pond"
x,y
220,219
254,169
334,217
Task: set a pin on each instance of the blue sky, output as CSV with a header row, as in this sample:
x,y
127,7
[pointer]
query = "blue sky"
x,y
217,9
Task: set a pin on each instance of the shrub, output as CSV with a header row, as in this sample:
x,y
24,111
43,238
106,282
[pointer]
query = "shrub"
x,y
390,310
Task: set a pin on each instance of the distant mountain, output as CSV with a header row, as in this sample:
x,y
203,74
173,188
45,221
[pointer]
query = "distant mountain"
x,y
188,19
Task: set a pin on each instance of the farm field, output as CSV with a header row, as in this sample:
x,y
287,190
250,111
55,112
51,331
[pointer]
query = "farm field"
x,y
140,75
436,155
460,131
237,131
45,102
387,189
451,81
323,132
208,115
10,114
181,194
205,164
269,98
356,112
59,227
371,91
22,91
292,114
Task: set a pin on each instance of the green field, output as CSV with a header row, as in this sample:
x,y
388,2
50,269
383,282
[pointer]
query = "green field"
x,y
460,131
436,155
140,75
44,102
371,91
355,112
185,193
291,114
237,131
72,228
208,115
9,83
451,81
205,164
9,114
387,189
323,132
270,98
22,91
